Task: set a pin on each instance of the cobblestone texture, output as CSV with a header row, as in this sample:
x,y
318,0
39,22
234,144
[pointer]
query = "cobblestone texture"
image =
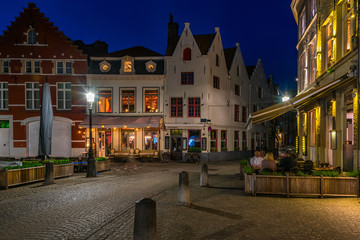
x,y
103,208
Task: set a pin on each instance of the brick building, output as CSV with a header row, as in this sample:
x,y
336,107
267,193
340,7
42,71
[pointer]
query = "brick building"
x,y
33,51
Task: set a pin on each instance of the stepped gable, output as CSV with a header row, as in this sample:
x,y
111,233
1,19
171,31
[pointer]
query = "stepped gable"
x,y
138,51
229,56
13,42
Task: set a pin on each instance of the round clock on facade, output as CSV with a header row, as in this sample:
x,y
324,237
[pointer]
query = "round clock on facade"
x,y
104,66
150,66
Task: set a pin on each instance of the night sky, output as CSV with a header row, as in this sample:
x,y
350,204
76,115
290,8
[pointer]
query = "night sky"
x,y
265,29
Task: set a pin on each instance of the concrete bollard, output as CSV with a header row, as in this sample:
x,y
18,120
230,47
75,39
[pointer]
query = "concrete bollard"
x,y
145,220
204,177
184,189
49,173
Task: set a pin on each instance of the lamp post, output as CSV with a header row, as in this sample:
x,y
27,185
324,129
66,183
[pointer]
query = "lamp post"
x,y
91,170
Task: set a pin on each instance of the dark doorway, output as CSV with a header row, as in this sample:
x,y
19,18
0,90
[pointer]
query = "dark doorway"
x,y
176,150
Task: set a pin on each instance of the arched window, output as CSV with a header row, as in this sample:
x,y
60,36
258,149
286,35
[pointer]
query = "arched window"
x,y
32,36
187,54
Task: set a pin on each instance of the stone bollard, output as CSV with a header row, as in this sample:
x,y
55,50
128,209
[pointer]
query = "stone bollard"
x,y
184,189
145,220
49,173
204,176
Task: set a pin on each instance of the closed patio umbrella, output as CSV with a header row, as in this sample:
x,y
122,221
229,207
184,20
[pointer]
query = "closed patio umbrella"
x,y
46,121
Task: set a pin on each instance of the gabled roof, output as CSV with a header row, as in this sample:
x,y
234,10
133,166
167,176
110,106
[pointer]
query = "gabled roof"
x,y
138,51
250,70
204,42
229,56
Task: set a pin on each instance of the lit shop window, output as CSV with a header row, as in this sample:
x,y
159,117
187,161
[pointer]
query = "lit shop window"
x,y
104,102
127,101
194,139
127,140
151,100
151,140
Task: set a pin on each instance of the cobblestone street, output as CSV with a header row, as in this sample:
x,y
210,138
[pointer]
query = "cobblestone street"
x,y
103,208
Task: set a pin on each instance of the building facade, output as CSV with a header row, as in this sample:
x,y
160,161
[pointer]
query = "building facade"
x,y
33,51
327,81
128,111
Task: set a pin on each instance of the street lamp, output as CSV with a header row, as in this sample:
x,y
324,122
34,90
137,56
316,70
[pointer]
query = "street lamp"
x,y
91,170
285,98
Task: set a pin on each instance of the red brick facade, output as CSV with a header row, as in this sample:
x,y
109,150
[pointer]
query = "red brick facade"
x,y
17,49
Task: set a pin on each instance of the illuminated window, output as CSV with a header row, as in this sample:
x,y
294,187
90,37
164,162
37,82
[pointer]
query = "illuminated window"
x,y
151,140
312,66
237,90
104,100
237,113
244,114
127,139
194,139
194,107
64,96
151,100
187,78
329,44
4,96
216,82
187,54
312,122
32,96
223,139
127,100
236,140
213,140
31,36
347,25
176,107
127,66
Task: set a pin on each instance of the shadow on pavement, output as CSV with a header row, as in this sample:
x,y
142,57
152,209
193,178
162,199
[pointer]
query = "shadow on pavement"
x,y
215,212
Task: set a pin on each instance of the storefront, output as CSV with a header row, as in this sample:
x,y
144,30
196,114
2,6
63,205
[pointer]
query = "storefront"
x,y
115,134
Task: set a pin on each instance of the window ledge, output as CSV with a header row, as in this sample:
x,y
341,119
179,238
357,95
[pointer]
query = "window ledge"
x,y
31,45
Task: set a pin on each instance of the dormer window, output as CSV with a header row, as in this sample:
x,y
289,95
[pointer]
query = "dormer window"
x,y
187,54
127,66
31,36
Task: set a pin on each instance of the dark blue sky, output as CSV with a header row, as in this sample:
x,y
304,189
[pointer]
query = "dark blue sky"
x,y
265,29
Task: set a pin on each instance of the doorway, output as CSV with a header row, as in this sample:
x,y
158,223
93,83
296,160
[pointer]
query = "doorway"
x,y
176,150
104,142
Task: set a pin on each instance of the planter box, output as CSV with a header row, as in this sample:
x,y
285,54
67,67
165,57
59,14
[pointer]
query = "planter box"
x,y
297,185
20,176
102,166
63,170
15,177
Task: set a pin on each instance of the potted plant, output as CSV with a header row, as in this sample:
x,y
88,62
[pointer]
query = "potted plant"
x,y
224,149
213,149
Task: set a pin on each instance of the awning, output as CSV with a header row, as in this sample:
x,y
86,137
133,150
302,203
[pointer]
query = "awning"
x,y
183,126
122,122
302,99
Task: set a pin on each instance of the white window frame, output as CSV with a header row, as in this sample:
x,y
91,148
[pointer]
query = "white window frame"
x,y
4,101
30,38
32,89
347,17
32,67
63,90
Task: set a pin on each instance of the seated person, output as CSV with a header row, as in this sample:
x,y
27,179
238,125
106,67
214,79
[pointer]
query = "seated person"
x,y
287,162
255,161
268,162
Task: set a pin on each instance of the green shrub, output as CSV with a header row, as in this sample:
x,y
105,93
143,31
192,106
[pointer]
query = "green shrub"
x,y
302,174
99,159
325,173
194,149
271,173
244,162
353,173
57,161
213,149
224,149
248,170
25,164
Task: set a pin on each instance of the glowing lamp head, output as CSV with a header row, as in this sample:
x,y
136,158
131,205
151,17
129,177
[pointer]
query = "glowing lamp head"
x,y
90,97
285,98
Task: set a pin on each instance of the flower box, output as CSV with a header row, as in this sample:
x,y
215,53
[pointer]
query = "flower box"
x,y
102,166
302,185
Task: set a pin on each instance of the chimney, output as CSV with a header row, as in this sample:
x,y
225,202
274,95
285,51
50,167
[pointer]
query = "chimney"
x,y
173,30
